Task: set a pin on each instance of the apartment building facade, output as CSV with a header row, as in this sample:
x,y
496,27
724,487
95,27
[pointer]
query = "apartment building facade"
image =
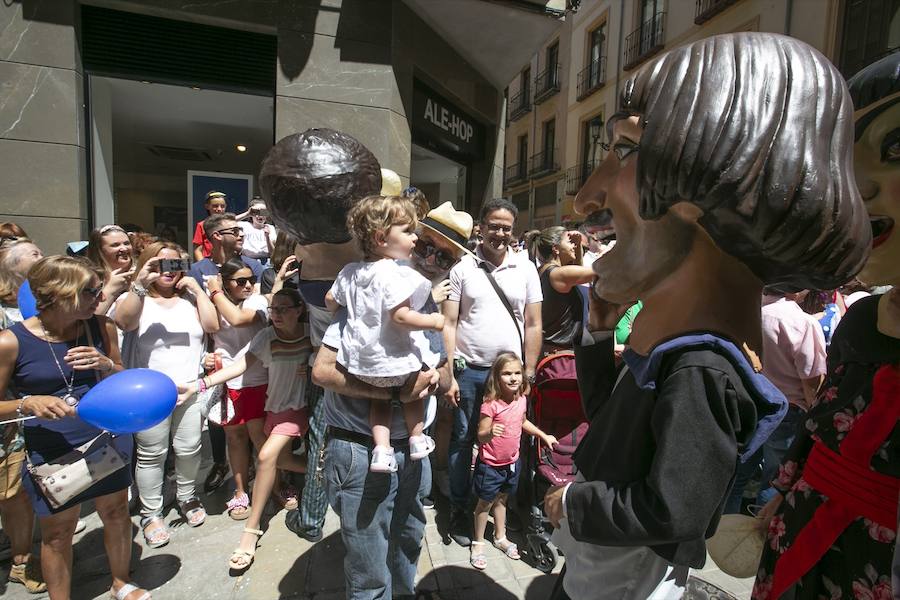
x,y
559,101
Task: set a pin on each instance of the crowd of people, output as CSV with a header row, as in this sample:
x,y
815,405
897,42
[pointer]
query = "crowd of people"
x,y
441,325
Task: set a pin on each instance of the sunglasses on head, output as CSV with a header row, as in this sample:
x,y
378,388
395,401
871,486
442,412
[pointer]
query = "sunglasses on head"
x,y
242,281
442,259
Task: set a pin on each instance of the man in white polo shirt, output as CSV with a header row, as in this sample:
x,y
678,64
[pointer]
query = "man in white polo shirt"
x,y
479,326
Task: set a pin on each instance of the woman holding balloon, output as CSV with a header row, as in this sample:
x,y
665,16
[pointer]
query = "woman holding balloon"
x,y
51,360
165,316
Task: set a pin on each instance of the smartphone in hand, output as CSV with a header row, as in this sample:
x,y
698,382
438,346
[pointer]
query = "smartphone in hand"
x,y
174,265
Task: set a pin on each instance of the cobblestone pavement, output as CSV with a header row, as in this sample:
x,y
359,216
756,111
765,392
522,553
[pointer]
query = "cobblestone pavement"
x,y
194,565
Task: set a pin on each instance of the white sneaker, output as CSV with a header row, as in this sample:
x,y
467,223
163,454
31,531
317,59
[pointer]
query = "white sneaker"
x,y
420,446
383,460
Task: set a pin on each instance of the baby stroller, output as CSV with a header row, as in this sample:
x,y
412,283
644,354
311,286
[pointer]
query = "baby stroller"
x,y
555,407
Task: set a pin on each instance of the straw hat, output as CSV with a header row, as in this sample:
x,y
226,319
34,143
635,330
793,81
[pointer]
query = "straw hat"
x,y
390,183
454,225
737,545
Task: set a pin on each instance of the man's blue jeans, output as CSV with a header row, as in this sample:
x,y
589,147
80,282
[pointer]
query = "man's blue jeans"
x,y
462,436
382,519
771,454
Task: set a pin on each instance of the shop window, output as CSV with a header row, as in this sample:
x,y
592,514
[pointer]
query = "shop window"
x,y
592,77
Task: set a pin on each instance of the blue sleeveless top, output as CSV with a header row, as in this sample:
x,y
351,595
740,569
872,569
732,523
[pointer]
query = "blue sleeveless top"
x,y
37,374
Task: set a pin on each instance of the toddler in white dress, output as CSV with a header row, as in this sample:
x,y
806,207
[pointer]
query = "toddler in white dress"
x,y
382,343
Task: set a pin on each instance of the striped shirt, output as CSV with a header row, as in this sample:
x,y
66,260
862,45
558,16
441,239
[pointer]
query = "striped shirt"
x,y
283,358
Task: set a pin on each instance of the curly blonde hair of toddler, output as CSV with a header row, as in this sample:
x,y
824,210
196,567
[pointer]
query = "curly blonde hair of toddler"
x,y
374,214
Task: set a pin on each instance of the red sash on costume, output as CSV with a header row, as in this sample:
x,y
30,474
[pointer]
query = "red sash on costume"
x,y
853,489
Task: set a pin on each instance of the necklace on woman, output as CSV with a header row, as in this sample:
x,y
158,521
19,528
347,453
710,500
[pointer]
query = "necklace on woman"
x,y
69,398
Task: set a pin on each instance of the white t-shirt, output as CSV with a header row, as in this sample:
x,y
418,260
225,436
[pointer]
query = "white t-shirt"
x,y
372,344
255,240
233,342
287,390
169,339
484,328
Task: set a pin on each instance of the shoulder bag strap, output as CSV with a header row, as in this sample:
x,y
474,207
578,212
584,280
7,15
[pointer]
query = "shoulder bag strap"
x,y
506,304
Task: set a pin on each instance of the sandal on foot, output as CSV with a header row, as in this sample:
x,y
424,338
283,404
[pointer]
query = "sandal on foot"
x,y
156,534
476,557
29,575
287,498
242,559
122,592
241,502
508,548
193,512
420,446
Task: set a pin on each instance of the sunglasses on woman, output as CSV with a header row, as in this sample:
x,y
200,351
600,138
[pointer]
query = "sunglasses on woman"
x,y
442,259
242,281
93,292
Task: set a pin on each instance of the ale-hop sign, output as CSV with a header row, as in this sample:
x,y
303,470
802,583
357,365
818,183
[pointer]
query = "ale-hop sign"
x,y
444,125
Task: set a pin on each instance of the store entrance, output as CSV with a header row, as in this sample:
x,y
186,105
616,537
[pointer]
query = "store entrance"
x,y
440,179
158,149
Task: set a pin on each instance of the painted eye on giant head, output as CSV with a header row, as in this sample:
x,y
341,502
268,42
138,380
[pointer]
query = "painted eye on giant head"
x,y
890,146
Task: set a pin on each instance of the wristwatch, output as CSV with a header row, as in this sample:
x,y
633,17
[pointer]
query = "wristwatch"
x,y
139,290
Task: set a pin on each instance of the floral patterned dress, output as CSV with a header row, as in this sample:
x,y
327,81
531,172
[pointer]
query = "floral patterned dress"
x,y
862,366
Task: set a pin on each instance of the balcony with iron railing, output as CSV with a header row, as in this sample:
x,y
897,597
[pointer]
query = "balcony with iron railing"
x,y
645,41
577,175
591,78
543,163
520,105
546,84
515,174
707,9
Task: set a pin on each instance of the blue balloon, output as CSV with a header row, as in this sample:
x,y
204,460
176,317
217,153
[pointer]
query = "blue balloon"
x,y
130,401
27,303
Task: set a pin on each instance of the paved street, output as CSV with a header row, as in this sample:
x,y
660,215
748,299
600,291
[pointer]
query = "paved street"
x,y
194,565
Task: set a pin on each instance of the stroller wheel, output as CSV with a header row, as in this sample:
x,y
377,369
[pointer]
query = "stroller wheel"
x,y
545,558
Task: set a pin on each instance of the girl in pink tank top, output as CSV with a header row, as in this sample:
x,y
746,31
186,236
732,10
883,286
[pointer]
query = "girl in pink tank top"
x,y
500,428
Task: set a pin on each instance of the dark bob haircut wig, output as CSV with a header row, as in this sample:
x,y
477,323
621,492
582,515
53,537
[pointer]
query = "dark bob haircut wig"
x,y
755,129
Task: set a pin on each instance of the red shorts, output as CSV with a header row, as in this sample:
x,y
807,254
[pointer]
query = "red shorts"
x,y
249,403
292,423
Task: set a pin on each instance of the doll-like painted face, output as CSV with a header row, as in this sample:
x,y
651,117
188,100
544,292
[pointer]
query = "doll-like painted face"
x,y
646,251
877,162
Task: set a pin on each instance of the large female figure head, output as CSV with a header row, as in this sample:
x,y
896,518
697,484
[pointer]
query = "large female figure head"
x,y
876,99
750,137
